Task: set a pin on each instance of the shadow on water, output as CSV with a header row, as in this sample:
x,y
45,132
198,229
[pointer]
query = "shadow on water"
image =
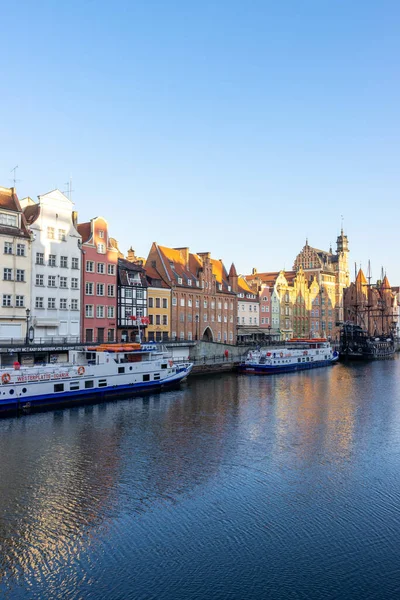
x,y
232,487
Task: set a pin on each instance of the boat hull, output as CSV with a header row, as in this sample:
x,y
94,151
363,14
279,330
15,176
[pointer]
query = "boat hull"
x,y
51,401
257,369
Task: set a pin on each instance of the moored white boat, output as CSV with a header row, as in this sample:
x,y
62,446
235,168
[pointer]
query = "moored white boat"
x,y
107,371
296,355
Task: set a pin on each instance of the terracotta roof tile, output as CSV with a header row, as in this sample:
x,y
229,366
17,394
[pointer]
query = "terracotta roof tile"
x,y
31,213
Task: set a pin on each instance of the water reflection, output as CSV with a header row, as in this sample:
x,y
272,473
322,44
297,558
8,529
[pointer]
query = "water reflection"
x,y
86,490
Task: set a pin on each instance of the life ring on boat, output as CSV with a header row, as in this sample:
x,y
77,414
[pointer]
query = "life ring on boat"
x,y
268,353
281,354
81,370
5,378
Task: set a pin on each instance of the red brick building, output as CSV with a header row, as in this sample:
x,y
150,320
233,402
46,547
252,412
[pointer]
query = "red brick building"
x,y
203,298
99,282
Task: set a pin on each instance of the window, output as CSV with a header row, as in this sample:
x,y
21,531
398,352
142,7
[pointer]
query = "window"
x,y
99,289
205,303
101,249
212,318
251,320
62,235
110,312
111,335
89,384
165,319
101,268
158,319
7,274
89,266
74,385
89,288
205,317
58,387
219,305
182,317
10,220
8,247
158,303
100,312
20,275
197,303
250,309
146,377
52,260
180,280
150,319
165,303
74,283
128,293
6,299
219,319
39,302
189,282
111,269
74,304
174,302
89,310
63,303
51,303
226,319
182,335
51,281
182,301
40,280
50,233
39,258
75,263
150,302
101,234
102,383
111,290
63,282
64,262
19,301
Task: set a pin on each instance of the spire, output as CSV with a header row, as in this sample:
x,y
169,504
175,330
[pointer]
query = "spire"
x,y
360,279
232,271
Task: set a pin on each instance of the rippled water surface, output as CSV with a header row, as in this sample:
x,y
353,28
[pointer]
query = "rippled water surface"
x,y
230,488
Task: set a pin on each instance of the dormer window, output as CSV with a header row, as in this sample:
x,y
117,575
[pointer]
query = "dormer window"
x,y
180,280
9,220
198,283
220,287
229,288
189,282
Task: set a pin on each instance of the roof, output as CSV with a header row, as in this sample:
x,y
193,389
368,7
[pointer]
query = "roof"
x,y
125,267
31,212
361,278
154,278
85,230
9,201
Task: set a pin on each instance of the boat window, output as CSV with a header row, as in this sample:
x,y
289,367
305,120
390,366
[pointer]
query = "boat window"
x,y
89,384
156,376
303,360
146,377
164,366
58,387
299,360
11,392
307,359
74,386
102,382
121,369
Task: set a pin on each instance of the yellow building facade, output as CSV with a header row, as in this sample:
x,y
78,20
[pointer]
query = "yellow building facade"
x,y
159,314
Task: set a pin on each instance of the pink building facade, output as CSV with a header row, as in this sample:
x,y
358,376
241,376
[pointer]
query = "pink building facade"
x,y
99,282
265,307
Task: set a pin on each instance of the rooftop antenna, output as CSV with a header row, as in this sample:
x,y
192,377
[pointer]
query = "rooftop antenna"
x,y
341,221
14,179
69,190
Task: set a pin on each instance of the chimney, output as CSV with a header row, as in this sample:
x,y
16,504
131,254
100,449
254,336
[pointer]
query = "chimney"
x,y
185,254
131,255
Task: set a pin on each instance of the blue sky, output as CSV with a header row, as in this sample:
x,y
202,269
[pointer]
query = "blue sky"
x,y
233,127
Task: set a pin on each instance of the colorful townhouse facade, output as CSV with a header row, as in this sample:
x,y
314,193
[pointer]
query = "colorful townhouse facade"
x,y
132,287
55,267
98,282
203,300
15,249
248,312
158,306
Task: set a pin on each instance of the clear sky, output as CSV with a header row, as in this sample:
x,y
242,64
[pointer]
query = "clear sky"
x,y
227,126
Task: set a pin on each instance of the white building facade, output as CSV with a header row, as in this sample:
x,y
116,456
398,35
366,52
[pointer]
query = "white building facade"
x,y
15,273
56,268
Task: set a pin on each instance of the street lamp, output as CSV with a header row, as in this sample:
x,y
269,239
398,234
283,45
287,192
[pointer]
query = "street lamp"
x,y
28,313
197,326
269,335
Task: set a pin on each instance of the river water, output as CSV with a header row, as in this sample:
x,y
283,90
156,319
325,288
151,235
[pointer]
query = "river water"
x,y
233,487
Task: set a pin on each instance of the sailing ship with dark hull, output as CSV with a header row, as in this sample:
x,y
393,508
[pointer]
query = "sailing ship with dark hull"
x,y
370,312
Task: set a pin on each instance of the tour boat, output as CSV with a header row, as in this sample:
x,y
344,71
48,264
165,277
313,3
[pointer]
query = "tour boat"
x,y
296,355
105,371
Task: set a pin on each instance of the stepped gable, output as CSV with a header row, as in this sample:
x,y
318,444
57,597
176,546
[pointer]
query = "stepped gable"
x,y
9,202
314,258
